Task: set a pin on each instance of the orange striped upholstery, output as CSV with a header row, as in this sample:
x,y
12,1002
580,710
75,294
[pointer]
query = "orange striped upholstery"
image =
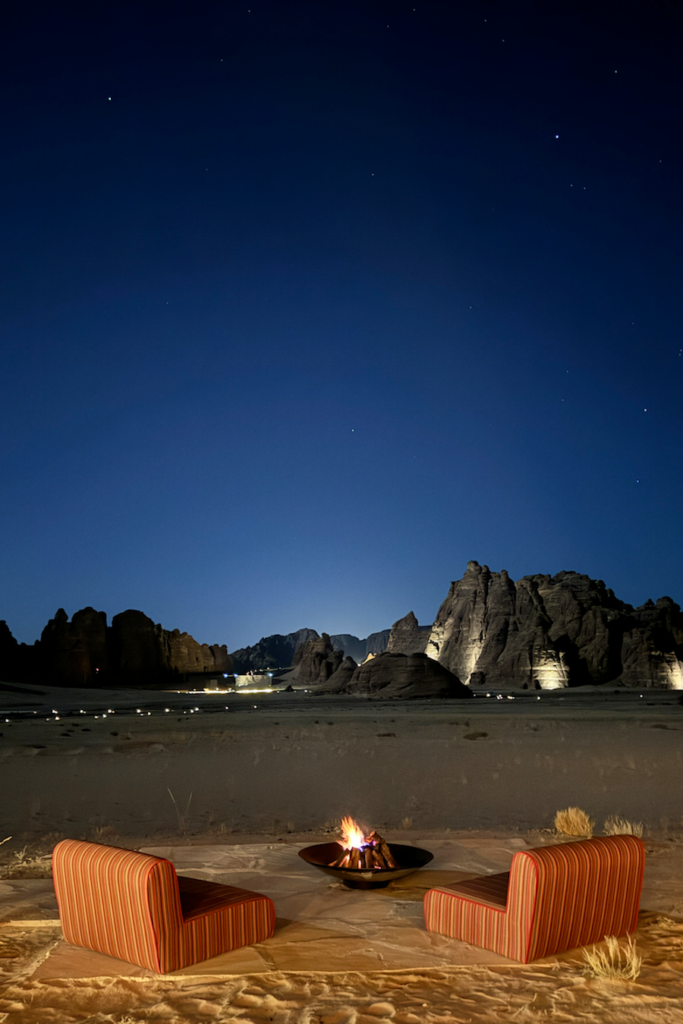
x,y
558,897
134,907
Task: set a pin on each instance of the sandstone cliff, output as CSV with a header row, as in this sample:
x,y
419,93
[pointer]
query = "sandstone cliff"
x,y
547,632
407,637
133,651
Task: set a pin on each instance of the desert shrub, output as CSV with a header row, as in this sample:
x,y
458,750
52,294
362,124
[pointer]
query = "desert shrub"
x,y
29,865
616,826
615,962
574,822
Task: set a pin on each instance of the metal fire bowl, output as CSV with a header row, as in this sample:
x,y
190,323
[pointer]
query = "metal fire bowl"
x,y
409,859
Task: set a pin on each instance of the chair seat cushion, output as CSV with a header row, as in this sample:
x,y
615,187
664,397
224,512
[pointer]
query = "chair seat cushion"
x,y
198,897
491,890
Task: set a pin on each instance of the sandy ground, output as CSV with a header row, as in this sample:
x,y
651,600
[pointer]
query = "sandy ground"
x,y
280,764
277,771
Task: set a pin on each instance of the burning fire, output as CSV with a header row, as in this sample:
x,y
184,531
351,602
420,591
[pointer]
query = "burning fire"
x,y
352,835
362,852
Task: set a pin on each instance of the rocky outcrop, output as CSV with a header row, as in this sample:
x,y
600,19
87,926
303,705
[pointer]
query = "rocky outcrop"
x,y
144,653
339,678
401,676
315,662
133,651
74,653
276,651
407,637
546,632
18,662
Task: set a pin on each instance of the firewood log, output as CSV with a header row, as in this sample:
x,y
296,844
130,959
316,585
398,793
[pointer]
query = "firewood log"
x,y
387,854
354,858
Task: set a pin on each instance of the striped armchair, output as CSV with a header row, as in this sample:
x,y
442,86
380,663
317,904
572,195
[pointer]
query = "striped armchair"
x,y
134,907
553,898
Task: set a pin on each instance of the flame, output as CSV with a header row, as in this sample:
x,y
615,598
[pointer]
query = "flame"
x,y
352,834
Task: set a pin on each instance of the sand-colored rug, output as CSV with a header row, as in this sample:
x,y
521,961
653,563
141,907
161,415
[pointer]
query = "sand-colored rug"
x,y
341,956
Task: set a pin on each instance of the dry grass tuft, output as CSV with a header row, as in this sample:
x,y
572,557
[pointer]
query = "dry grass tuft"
x,y
616,826
617,962
574,822
30,865
183,818
102,833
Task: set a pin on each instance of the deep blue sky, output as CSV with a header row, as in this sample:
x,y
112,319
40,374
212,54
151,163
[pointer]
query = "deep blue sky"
x,y
305,304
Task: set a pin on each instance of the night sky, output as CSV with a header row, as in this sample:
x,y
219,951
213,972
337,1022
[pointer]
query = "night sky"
x,y
305,304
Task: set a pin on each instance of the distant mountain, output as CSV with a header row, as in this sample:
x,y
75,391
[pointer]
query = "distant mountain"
x,y
357,649
276,651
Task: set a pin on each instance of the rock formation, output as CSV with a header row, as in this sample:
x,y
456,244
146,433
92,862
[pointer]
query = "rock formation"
x,y
18,662
339,678
547,632
404,676
75,653
133,651
315,662
407,637
542,632
276,651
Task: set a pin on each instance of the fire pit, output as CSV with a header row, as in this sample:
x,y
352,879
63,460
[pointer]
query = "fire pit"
x,y
365,862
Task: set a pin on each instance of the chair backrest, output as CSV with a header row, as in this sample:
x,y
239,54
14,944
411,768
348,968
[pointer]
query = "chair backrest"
x,y
573,894
119,902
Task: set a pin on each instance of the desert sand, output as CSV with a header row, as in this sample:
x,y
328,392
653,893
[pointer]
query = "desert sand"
x,y
471,781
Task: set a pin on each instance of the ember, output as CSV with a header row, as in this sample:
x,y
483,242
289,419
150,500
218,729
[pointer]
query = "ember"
x,y
369,852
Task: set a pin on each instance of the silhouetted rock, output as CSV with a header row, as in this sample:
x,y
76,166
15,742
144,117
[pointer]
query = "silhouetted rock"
x,y
75,653
407,637
339,678
404,676
146,654
18,662
315,661
547,632
183,654
276,651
